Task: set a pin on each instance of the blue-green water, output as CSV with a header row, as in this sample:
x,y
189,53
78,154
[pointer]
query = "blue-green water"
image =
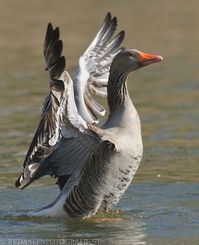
x,y
162,204
153,212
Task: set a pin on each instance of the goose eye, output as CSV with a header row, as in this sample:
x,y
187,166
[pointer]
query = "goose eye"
x,y
132,54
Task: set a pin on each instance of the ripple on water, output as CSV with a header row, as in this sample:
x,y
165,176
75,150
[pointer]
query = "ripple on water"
x,y
152,210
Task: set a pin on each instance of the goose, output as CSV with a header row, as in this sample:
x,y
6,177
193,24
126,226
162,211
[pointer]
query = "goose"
x,y
91,76
94,164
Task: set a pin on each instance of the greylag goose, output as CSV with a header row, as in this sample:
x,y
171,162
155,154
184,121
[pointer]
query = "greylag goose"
x,y
94,164
91,76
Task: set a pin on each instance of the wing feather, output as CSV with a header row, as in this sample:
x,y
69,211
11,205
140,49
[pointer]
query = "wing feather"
x,y
60,118
63,143
48,131
93,69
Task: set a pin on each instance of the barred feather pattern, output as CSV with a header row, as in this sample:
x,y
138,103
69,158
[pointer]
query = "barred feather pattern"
x,y
86,198
48,131
93,70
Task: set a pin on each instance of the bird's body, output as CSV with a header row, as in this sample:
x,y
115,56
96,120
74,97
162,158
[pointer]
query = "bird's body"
x,y
94,164
112,167
108,171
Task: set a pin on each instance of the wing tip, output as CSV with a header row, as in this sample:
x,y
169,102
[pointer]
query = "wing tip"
x,y
49,29
114,21
122,33
21,182
17,183
108,17
121,36
56,33
49,26
28,175
53,47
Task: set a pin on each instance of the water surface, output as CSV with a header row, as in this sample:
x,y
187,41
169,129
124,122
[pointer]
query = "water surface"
x,y
162,205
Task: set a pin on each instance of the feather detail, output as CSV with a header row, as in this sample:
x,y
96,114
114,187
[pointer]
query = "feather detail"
x,y
93,69
48,131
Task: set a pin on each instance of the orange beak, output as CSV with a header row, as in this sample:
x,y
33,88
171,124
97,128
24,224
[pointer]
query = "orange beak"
x,y
147,59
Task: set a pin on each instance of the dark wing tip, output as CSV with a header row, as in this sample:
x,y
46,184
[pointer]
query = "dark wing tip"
x,y
17,183
114,21
108,16
49,32
29,174
49,27
56,33
22,184
122,35
53,46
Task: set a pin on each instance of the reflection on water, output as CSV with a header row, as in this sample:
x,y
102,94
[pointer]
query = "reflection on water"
x,y
128,230
153,212
166,96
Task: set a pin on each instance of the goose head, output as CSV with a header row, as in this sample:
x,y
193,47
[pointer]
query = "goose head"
x,y
132,59
123,63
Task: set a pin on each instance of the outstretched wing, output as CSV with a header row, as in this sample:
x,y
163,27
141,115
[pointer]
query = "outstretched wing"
x,y
74,154
48,131
93,70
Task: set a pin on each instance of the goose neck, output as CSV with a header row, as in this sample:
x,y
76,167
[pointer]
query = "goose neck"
x,y
117,90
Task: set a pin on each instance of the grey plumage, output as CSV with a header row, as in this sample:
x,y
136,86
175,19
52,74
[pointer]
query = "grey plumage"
x,y
48,132
94,164
93,70
59,106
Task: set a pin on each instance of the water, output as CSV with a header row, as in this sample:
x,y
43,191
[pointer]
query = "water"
x,y
162,204
153,212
